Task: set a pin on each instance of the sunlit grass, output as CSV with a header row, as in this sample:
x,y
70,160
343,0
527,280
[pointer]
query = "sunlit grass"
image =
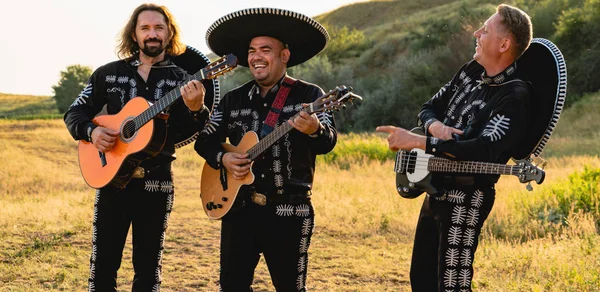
x,y
362,240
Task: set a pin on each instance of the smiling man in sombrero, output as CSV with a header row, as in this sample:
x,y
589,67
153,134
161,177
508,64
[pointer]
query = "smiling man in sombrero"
x,y
503,104
273,214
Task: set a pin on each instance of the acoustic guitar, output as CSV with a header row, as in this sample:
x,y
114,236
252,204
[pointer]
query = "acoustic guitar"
x,y
140,138
414,168
216,199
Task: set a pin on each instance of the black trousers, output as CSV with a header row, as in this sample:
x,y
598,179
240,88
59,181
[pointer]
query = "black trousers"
x,y
446,239
145,204
281,232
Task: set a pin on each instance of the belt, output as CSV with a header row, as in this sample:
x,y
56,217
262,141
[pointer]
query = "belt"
x,y
263,199
141,172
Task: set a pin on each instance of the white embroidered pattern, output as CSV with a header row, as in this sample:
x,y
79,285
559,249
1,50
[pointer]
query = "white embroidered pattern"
x,y
276,166
477,199
466,257
303,245
123,79
458,214
170,202
307,226
452,257
302,210
171,83
234,113
245,112
215,119
276,150
152,185
473,217
284,210
288,108
166,187
450,278
465,278
300,282
288,145
110,78
495,129
469,237
84,95
278,180
302,264
325,118
454,235
456,196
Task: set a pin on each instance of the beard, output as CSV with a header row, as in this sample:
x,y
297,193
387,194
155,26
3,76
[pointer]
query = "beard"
x,y
153,51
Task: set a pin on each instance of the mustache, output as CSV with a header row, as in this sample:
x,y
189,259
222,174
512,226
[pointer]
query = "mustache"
x,y
152,40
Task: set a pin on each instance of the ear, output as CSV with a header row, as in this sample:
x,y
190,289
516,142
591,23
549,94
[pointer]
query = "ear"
x,y
285,55
133,37
506,45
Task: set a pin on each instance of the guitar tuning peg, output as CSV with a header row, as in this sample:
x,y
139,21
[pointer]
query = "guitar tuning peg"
x,y
529,187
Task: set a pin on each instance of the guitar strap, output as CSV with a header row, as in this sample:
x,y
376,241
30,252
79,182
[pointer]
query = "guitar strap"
x,y
272,117
278,104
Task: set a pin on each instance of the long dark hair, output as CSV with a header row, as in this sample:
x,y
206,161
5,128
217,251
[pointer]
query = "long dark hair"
x,y
128,47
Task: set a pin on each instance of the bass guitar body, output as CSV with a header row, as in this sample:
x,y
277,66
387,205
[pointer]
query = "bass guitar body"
x,y
115,168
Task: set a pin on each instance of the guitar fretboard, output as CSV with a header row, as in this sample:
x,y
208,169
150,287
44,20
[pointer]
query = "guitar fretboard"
x,y
270,139
164,102
436,164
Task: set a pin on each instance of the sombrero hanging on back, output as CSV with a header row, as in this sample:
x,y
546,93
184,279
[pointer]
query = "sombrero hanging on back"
x,y
232,33
543,67
193,61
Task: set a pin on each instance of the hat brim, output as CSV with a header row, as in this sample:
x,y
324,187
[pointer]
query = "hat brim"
x,y
232,33
543,67
192,61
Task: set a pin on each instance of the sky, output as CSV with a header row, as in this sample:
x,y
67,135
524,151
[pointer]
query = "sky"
x,y
40,38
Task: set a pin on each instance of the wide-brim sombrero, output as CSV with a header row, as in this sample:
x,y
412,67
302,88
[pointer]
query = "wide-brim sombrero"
x,y
544,68
193,61
232,33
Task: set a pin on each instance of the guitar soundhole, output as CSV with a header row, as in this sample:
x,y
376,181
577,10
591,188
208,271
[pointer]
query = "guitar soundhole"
x,y
128,130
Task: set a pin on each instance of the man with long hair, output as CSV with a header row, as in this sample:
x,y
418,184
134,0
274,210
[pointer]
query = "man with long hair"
x,y
148,47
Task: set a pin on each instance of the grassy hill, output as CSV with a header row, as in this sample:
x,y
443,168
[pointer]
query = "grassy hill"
x,y
23,107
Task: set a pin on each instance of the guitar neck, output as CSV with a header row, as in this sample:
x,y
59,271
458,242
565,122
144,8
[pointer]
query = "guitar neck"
x,y
164,102
270,139
436,164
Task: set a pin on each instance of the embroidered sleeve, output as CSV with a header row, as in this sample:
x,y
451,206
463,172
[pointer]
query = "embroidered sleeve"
x,y
86,105
208,144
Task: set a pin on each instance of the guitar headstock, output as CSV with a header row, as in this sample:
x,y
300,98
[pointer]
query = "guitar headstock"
x,y
333,100
220,66
528,172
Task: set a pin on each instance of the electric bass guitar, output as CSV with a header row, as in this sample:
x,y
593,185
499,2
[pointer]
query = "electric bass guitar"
x,y
140,138
414,170
216,199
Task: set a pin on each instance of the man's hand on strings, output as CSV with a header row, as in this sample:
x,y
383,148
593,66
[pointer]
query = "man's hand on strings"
x,y
400,138
305,123
104,139
237,164
193,95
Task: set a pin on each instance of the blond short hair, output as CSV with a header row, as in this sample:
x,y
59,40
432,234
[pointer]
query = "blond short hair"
x,y
518,23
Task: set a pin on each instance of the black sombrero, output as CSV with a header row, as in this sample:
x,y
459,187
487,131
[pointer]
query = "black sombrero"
x,y
232,33
543,67
193,61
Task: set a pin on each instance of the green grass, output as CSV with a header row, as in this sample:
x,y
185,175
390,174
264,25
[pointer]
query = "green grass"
x,y
27,107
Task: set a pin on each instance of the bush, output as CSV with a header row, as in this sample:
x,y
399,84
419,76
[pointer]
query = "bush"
x,y
72,80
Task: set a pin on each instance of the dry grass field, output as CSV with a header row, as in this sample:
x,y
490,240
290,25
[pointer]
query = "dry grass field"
x,y
362,239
